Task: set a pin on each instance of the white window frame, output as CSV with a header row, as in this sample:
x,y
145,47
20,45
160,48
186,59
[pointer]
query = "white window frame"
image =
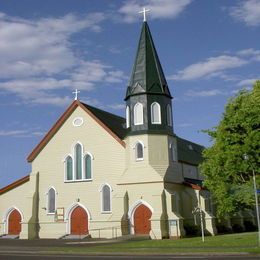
x,y
47,201
84,169
65,168
75,161
135,148
152,113
73,156
136,113
127,117
101,198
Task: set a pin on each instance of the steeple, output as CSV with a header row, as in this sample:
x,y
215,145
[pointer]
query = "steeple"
x,y
147,75
148,98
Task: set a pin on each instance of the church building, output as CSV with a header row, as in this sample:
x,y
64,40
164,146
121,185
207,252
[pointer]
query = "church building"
x,y
101,175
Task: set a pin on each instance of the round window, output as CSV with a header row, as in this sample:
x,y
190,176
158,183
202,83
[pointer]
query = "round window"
x,y
78,121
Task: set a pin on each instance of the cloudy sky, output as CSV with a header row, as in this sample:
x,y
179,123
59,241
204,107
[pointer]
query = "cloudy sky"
x,y
209,50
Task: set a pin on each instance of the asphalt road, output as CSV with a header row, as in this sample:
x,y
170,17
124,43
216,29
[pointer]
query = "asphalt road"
x,y
25,256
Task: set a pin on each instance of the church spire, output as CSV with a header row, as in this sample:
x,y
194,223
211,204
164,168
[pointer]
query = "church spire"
x,y
148,98
147,75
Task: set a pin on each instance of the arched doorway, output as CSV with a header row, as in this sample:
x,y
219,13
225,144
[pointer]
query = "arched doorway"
x,y
79,221
14,222
142,222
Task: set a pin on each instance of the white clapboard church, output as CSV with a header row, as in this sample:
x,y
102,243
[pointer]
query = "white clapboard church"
x,y
101,175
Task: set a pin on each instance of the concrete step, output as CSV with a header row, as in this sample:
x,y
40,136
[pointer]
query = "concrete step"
x,y
9,236
72,237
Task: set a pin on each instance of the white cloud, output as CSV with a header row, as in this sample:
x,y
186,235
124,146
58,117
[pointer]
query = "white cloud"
x,y
204,93
251,53
160,9
247,11
37,58
20,133
116,106
213,66
40,47
247,82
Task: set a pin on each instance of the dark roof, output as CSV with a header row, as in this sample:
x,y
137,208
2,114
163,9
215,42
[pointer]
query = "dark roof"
x,y
115,123
147,75
189,152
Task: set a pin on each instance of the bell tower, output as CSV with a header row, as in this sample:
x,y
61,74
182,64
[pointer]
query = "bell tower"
x,y
148,98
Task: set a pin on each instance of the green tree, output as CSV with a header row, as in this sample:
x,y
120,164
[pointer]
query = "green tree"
x,y
227,175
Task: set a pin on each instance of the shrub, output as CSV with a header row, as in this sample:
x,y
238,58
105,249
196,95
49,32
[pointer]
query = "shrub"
x,y
249,226
237,228
222,229
191,230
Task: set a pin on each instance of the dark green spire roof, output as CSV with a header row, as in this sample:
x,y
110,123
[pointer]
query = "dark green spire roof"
x,y
147,75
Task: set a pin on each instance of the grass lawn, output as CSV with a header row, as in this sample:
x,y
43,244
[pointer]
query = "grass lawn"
x,y
242,242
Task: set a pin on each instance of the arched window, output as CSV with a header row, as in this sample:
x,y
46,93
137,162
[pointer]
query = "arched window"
x,y
88,167
106,198
139,151
51,206
169,115
127,112
138,114
69,173
155,113
173,153
78,161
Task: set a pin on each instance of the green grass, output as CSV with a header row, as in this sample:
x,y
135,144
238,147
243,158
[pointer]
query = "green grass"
x,y
232,243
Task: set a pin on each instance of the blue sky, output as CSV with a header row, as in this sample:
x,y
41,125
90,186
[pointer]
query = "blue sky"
x,y
209,50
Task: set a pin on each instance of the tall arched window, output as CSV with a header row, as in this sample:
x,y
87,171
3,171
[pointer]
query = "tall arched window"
x,y
69,171
139,151
138,114
106,198
169,115
127,112
78,161
51,205
88,167
155,113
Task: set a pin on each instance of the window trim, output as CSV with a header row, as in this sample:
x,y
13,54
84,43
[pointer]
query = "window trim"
x,y
84,168
135,112
73,156
101,196
65,168
135,148
75,161
152,114
127,117
47,201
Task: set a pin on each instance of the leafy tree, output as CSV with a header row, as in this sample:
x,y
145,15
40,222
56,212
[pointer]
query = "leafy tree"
x,y
227,175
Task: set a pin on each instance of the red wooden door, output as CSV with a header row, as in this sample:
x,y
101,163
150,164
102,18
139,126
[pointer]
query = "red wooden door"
x,y
79,221
14,223
142,222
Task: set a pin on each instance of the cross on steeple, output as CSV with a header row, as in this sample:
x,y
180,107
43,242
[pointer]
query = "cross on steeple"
x,y
144,13
76,92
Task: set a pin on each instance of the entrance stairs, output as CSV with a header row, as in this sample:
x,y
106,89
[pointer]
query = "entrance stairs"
x,y
9,236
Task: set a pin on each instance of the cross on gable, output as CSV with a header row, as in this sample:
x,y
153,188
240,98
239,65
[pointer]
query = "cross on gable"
x,y
144,13
76,92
